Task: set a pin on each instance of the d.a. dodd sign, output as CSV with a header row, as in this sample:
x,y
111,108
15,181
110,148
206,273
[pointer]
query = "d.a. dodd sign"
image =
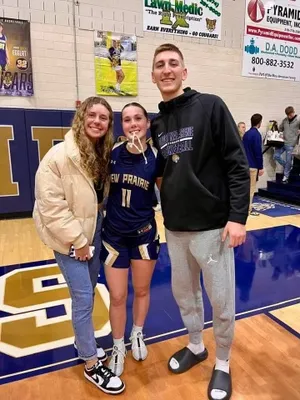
x,y
272,39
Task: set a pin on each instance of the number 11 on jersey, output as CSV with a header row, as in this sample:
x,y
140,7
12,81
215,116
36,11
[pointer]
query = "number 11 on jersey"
x,y
126,195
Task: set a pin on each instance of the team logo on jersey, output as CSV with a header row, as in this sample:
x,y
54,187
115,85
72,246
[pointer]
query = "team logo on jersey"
x,y
175,158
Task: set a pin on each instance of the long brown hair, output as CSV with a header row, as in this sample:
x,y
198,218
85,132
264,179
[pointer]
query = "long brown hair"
x,y
94,159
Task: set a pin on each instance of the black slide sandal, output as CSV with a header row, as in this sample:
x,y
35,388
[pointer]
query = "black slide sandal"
x,y
185,359
220,380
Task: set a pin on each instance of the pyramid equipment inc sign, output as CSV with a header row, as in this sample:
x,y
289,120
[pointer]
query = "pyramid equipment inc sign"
x,y
272,39
199,19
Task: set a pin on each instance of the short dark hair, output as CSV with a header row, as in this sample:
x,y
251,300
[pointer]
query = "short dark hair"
x,y
167,47
256,119
134,104
289,110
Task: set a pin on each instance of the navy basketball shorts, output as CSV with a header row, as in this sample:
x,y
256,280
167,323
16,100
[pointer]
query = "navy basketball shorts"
x,y
118,250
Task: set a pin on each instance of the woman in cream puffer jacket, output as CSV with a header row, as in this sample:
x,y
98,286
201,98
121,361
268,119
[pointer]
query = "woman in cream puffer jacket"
x,y
66,206
70,187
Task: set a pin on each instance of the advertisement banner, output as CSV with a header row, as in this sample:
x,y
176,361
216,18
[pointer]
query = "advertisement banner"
x,y
15,58
272,39
200,18
115,64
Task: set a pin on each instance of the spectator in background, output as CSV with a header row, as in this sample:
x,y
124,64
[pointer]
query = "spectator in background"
x,y
253,146
242,129
290,128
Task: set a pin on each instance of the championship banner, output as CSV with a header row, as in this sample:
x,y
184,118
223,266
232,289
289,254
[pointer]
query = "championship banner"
x,y
15,58
115,64
272,39
201,19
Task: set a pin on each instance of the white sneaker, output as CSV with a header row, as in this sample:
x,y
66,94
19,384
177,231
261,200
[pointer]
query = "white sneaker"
x,y
116,362
104,379
138,347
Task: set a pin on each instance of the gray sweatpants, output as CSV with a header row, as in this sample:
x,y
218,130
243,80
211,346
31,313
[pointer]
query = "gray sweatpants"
x,y
191,253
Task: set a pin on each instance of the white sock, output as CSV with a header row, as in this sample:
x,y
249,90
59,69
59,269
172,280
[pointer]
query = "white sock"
x,y
136,329
90,368
119,343
196,348
117,86
222,365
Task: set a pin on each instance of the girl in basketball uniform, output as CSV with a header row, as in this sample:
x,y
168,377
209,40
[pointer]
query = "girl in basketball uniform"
x,y
129,233
69,191
4,56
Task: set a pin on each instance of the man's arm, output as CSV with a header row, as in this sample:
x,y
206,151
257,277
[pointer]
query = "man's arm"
x,y
234,161
236,165
158,182
280,128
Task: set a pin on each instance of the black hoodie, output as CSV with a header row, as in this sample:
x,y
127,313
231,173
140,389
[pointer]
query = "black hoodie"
x,y
206,174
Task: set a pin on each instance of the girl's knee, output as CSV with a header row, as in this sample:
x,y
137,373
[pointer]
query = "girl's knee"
x,y
118,299
142,291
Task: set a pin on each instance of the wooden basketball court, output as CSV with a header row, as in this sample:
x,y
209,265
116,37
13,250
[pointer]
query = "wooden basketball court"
x,y
266,352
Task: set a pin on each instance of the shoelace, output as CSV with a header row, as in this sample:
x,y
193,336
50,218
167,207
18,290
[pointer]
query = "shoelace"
x,y
138,335
105,371
117,351
140,149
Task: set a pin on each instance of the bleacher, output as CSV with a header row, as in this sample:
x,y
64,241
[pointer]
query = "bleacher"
x,y
285,192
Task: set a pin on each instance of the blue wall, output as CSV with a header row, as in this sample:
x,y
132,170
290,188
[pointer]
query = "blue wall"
x,y
20,151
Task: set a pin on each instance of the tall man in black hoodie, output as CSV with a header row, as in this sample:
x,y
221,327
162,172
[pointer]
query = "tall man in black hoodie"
x,y
205,200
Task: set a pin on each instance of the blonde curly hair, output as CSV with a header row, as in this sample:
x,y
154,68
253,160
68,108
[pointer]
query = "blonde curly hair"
x,y
94,158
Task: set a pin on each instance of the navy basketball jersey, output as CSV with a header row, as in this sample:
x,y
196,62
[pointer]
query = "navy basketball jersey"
x,y
130,202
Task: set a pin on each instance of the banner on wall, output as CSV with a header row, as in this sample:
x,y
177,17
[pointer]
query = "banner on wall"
x,y
190,18
115,64
15,58
272,39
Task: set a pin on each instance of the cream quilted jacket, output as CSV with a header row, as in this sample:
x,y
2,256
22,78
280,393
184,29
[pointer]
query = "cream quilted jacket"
x,y
66,209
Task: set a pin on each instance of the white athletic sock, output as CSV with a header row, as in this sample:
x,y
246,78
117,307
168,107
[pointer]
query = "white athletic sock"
x,y
136,329
222,365
90,369
117,86
196,348
119,343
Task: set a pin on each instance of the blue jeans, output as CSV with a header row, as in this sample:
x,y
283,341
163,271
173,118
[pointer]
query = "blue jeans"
x,y
81,278
287,165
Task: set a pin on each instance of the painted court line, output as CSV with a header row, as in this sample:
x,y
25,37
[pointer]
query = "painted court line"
x,y
151,338
237,315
